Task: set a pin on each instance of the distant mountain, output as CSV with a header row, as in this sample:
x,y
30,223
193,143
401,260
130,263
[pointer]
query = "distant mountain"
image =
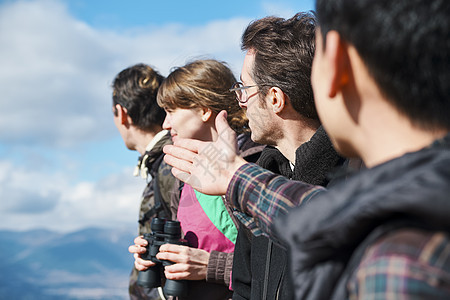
x,y
88,264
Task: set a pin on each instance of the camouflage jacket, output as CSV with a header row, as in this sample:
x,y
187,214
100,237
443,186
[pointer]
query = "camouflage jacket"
x,y
155,201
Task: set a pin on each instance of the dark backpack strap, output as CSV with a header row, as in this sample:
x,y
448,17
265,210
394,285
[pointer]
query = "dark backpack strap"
x,y
160,208
267,269
159,201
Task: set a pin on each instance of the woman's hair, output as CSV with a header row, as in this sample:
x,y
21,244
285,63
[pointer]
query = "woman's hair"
x,y
203,84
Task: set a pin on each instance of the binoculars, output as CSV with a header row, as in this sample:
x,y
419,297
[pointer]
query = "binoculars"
x,y
163,232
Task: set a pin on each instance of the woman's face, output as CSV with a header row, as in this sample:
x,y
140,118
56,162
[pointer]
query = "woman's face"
x,y
187,123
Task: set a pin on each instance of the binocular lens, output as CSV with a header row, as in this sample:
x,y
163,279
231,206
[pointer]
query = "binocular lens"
x,y
172,228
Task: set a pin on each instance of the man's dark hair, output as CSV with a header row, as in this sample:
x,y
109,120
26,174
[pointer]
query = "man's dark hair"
x,y
405,45
284,51
135,89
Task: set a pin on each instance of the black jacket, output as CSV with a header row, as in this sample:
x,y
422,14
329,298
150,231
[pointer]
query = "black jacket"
x,y
412,190
260,267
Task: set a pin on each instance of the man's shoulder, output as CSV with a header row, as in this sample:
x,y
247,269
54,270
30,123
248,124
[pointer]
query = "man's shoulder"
x,y
408,261
164,169
165,172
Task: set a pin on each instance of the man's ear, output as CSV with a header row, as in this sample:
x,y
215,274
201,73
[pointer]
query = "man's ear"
x,y
278,99
122,114
338,62
206,114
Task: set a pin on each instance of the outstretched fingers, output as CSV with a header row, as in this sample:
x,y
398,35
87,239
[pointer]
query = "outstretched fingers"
x,y
182,153
184,148
180,164
206,166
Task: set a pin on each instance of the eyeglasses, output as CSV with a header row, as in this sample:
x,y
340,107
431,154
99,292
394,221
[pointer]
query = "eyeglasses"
x,y
240,89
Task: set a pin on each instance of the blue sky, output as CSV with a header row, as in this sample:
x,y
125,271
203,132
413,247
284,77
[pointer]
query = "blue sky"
x,y
63,165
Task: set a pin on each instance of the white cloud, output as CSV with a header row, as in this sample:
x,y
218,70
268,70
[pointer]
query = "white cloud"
x,y
55,74
56,71
286,9
33,199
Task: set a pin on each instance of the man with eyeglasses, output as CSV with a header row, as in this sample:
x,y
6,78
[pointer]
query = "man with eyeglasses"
x,y
277,96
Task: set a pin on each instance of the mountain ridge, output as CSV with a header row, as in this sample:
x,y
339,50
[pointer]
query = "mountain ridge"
x,y
90,263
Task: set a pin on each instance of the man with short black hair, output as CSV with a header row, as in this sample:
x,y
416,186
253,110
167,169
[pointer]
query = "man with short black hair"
x,y
139,119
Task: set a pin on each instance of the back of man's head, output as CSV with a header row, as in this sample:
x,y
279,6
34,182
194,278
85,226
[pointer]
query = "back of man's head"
x,y
135,89
284,51
405,45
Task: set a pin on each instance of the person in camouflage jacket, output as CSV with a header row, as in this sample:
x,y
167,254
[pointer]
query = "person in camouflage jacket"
x,y
139,119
